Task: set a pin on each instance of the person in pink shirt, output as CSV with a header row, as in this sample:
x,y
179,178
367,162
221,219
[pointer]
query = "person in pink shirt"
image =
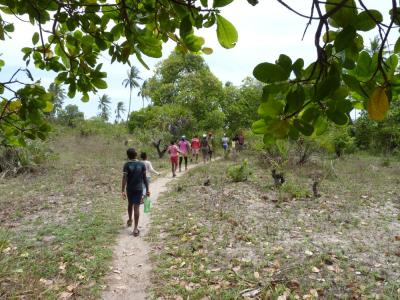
x,y
184,150
173,151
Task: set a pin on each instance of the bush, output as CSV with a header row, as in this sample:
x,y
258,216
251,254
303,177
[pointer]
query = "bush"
x,y
172,118
16,160
239,173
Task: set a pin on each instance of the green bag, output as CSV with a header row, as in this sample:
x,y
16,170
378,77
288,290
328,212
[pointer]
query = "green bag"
x,y
146,204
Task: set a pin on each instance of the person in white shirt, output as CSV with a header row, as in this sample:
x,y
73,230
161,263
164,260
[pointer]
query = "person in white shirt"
x,y
149,169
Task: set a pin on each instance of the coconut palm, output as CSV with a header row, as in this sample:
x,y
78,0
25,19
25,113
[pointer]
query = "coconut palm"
x,y
119,110
104,107
131,81
142,92
58,94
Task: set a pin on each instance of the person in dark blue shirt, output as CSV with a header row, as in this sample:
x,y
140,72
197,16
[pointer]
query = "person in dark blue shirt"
x,y
133,179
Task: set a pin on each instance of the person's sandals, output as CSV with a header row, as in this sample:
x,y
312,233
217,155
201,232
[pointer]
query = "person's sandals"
x,y
136,232
129,223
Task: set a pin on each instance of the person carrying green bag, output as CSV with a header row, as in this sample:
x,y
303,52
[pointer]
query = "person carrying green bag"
x,y
147,204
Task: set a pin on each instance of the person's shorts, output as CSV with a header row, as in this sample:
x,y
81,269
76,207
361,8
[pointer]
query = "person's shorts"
x,y
204,151
195,151
134,197
225,146
174,159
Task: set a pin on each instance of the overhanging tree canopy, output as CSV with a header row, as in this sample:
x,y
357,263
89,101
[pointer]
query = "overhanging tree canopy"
x,y
71,35
297,99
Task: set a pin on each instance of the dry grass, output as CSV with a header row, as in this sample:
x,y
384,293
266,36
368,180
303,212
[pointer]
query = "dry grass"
x,y
252,236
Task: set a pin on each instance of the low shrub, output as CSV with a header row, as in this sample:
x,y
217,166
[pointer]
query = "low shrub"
x,y
239,173
16,160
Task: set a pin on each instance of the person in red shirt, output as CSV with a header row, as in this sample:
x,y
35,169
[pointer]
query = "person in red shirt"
x,y
173,151
195,145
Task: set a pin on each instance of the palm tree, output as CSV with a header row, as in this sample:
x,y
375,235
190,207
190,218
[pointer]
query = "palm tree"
x,y
58,94
131,81
119,110
104,107
142,92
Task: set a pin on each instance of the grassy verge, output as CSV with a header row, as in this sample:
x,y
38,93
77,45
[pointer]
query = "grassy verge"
x,y
231,240
58,225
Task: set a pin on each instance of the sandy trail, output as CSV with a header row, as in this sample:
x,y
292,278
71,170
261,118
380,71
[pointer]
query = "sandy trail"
x,y
129,277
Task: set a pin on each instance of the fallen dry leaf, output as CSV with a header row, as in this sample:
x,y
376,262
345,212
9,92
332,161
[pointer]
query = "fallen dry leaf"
x,y
250,293
46,281
315,270
284,295
65,295
256,275
308,253
72,287
397,238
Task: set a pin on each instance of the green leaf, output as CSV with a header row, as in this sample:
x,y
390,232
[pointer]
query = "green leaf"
x,y
9,28
303,127
396,19
49,107
298,67
353,84
207,50
345,15
226,33
397,46
194,43
310,115
85,97
286,63
186,27
269,73
269,139
204,3
35,38
271,90
221,3
329,36
295,99
279,128
320,125
338,117
271,108
367,20
345,38
99,83
363,65
259,127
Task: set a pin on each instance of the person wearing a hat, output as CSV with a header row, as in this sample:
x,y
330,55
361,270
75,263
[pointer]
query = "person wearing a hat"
x,y
184,150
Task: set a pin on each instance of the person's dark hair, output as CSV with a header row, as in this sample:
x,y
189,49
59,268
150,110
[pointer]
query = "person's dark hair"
x,y
143,155
131,153
172,142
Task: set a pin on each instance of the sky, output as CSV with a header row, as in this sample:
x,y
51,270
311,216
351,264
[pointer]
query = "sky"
x,y
265,31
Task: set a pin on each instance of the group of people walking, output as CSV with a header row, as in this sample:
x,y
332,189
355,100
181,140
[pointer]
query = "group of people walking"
x,y
137,173
180,151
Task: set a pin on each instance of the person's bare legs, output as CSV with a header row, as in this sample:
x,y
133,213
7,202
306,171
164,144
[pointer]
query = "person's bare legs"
x,y
130,206
180,163
136,210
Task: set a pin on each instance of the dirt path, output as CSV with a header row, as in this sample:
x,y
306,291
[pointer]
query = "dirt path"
x,y
130,274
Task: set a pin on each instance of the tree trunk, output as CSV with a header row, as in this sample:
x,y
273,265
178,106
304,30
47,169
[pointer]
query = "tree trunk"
x,y
129,106
159,151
